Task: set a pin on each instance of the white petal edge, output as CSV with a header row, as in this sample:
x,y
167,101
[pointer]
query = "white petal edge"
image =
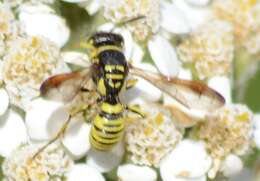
x,y
256,132
189,159
202,178
173,19
83,172
76,58
44,24
44,118
12,132
164,56
105,161
4,101
232,165
198,2
93,7
195,15
76,139
130,172
222,84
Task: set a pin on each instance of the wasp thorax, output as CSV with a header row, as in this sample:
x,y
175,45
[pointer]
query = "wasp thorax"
x,y
107,38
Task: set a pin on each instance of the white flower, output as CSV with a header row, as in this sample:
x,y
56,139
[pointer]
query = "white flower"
x,y
27,64
257,130
150,139
188,161
51,163
41,20
232,165
4,101
9,28
130,172
16,3
225,131
83,172
209,50
13,132
235,12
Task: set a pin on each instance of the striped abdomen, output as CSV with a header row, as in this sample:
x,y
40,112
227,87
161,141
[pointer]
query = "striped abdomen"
x,y
107,127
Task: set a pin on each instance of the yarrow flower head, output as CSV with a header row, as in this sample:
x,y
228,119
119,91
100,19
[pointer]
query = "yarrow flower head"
x,y
151,139
51,164
28,63
227,131
118,11
242,14
9,27
209,50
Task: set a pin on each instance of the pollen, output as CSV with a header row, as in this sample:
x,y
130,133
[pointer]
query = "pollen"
x,y
29,61
52,162
151,138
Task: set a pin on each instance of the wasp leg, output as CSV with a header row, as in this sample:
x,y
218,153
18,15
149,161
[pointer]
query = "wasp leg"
x,y
135,109
131,83
59,134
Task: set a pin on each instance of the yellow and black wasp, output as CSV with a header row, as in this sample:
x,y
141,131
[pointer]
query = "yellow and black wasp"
x,y
109,71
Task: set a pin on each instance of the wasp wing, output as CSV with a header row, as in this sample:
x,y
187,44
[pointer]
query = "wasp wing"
x,y
64,87
191,94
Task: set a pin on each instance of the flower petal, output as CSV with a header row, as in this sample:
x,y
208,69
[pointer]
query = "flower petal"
x,y
4,101
12,132
93,7
44,118
130,172
195,15
232,165
76,138
257,130
40,23
173,19
164,56
222,84
106,161
189,159
83,172
175,178
76,58
198,2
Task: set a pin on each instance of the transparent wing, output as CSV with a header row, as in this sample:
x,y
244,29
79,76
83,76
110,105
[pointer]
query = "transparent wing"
x,y
191,94
64,87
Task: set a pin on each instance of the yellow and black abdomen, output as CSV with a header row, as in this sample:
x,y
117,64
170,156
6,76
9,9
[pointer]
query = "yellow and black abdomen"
x,y
107,127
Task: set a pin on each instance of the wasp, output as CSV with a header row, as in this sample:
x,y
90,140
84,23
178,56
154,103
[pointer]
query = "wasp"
x,y
109,72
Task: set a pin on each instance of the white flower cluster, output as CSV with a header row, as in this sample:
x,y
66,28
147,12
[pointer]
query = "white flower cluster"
x,y
51,164
150,139
28,63
244,17
209,49
206,36
9,28
16,3
118,11
227,131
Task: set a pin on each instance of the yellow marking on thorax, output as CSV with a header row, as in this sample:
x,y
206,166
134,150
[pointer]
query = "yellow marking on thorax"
x,y
110,68
112,109
114,76
111,84
108,47
118,84
101,87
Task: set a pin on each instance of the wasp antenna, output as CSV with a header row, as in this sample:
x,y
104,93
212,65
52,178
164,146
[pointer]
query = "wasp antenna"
x,y
122,23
